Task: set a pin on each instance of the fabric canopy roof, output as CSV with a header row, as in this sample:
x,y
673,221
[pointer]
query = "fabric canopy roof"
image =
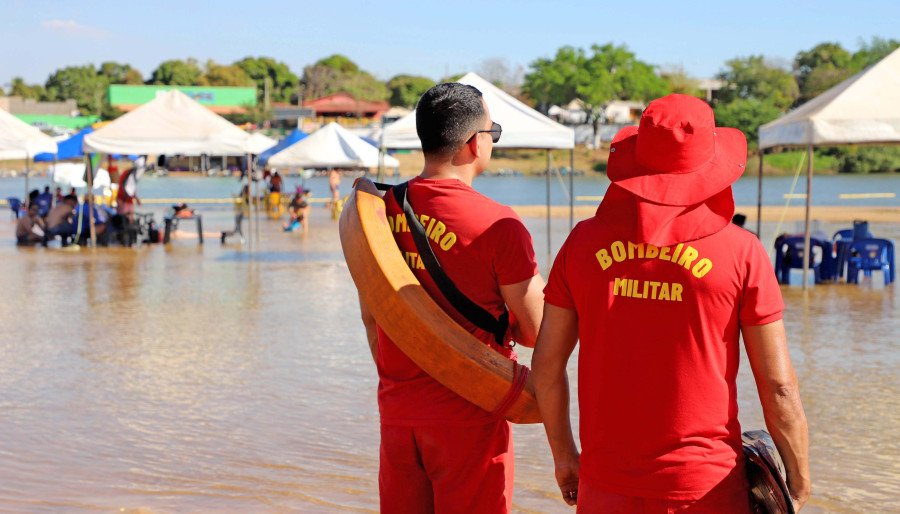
x,y
259,143
332,146
68,148
19,140
172,123
523,127
292,137
862,109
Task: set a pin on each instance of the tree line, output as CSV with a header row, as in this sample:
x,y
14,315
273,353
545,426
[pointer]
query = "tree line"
x,y
755,89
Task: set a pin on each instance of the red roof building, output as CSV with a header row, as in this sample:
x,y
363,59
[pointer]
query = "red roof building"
x,y
344,105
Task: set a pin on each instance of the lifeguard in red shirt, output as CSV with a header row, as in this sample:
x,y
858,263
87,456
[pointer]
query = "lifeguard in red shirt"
x,y
439,452
658,287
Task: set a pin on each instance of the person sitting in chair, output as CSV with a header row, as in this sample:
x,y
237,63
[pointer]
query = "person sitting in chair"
x,y
30,228
61,219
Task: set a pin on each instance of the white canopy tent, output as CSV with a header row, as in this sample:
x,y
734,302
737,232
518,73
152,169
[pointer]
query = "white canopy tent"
x,y
864,109
172,123
259,143
332,146
523,127
19,140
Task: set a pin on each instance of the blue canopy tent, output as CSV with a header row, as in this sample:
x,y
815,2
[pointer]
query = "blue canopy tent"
x,y
66,149
294,136
71,149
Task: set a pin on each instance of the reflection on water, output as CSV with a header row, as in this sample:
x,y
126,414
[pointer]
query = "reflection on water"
x,y
214,380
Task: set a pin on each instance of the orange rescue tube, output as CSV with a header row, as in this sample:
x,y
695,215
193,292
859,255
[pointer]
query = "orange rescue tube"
x,y
411,318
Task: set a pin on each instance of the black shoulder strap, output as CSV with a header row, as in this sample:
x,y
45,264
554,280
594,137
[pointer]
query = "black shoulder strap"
x,y
469,309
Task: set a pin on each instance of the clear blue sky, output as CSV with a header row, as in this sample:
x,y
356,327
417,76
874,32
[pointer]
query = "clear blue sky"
x,y
423,37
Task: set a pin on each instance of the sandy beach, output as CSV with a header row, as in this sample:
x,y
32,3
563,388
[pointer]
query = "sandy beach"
x,y
830,214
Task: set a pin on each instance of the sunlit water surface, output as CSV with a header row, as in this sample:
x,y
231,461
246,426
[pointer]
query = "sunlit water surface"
x,y
215,379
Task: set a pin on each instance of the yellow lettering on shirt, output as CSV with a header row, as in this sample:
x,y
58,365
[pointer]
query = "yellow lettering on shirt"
x,y
702,268
677,252
664,291
664,253
618,251
604,259
448,241
648,289
620,287
436,232
676,292
435,229
688,257
682,254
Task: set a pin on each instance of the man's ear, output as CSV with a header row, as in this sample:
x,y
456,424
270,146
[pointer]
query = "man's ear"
x,y
473,146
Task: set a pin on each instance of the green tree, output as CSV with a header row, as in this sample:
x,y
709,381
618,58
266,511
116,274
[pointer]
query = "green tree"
x,y
20,88
820,68
869,159
678,81
80,83
406,90
224,75
282,82
176,72
873,51
754,77
337,73
610,72
746,114
117,73
554,81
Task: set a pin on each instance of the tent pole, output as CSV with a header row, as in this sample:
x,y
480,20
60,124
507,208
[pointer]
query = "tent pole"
x,y
759,196
256,211
90,195
571,188
549,246
807,251
250,200
27,176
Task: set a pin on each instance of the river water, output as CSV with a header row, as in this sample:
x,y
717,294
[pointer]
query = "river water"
x,y
210,378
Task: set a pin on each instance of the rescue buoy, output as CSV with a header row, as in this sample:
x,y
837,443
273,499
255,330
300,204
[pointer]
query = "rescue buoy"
x,y
417,325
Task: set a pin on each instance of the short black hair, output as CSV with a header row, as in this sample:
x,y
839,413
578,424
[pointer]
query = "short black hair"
x,y
446,116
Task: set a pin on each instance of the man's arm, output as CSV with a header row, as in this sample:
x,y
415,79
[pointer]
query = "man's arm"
x,y
779,394
557,338
371,330
525,300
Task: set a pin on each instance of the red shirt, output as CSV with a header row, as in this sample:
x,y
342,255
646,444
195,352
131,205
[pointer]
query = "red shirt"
x,y
658,358
481,245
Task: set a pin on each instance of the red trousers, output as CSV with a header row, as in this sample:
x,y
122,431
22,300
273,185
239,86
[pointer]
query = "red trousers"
x,y
592,500
446,470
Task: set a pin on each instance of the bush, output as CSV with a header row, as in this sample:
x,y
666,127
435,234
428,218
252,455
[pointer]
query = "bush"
x,y
870,159
746,115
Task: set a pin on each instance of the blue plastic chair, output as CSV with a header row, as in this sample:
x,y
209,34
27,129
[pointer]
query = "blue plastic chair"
x,y
15,205
868,255
842,240
789,254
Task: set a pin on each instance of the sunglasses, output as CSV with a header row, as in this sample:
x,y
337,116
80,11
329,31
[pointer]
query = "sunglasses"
x,y
495,132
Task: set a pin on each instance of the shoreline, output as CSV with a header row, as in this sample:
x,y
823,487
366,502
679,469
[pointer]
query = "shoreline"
x,y
828,213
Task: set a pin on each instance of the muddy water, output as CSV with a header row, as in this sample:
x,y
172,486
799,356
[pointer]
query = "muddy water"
x,y
212,379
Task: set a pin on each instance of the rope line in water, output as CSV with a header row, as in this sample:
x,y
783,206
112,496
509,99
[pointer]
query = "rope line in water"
x,y
790,195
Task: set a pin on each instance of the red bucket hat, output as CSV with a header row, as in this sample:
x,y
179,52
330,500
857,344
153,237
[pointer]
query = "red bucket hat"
x,y
677,156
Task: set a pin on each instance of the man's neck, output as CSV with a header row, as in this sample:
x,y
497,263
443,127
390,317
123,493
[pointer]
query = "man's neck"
x,y
447,170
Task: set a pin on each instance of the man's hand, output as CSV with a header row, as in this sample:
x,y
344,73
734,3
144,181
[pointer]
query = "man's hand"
x,y
779,394
567,470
